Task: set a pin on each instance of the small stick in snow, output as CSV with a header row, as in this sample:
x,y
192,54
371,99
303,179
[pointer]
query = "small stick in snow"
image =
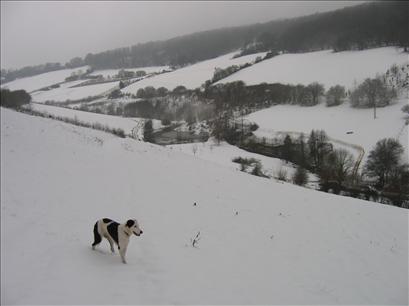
x,y
196,239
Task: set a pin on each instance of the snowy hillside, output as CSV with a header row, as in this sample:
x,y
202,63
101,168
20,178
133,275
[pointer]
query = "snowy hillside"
x,y
39,81
337,121
261,242
112,72
67,92
224,153
326,67
131,126
192,76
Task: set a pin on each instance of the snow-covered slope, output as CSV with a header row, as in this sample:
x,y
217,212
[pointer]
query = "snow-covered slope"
x,y
192,76
223,154
131,126
42,80
337,121
326,67
112,72
67,92
261,242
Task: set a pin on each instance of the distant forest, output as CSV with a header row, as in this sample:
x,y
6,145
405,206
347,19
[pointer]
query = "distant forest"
x,y
359,27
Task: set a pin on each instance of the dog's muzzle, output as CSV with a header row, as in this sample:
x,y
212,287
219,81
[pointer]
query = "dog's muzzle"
x,y
138,234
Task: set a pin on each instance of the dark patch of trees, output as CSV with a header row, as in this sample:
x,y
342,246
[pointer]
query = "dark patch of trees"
x,y
14,99
148,131
238,95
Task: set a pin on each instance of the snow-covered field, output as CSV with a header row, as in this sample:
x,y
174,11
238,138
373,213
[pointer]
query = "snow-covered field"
x,y
39,81
131,126
261,242
192,76
64,92
337,121
326,67
223,154
112,72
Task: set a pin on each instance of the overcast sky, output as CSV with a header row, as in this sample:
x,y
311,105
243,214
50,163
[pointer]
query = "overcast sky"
x,y
36,32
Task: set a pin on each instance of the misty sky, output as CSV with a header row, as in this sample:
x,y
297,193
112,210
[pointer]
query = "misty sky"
x,y
44,31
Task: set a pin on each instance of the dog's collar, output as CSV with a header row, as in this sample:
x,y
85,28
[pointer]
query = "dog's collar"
x,y
126,233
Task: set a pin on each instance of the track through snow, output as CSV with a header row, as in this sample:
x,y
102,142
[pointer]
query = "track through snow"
x,y
261,242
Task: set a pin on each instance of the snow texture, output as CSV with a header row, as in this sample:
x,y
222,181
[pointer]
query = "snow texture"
x,y
260,242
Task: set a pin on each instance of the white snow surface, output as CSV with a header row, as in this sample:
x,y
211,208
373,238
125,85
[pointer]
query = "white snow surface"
x,y
192,76
39,81
129,125
223,153
326,67
285,245
336,121
64,92
111,72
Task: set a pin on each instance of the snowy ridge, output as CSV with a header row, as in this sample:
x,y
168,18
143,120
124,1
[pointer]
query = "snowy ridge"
x,y
67,92
261,242
39,81
326,67
192,76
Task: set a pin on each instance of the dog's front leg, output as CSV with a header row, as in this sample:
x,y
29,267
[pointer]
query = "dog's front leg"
x,y
122,252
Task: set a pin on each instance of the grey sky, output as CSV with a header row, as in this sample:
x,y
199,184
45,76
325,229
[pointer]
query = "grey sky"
x,y
44,31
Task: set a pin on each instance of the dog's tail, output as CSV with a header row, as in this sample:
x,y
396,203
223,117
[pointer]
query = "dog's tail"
x,y
97,236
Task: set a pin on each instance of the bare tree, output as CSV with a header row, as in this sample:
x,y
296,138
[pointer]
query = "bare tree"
x,y
372,93
383,159
335,95
343,165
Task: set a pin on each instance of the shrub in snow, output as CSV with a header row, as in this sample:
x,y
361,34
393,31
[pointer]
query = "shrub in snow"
x,y
300,176
282,175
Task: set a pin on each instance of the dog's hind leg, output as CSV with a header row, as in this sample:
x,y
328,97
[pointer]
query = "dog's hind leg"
x,y
111,243
97,236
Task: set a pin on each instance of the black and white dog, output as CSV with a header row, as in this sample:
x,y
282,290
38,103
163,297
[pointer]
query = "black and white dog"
x,y
116,233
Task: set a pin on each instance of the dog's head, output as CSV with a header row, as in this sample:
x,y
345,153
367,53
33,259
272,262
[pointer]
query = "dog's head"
x,y
133,226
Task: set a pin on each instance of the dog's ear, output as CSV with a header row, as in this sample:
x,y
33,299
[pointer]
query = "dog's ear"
x,y
130,223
